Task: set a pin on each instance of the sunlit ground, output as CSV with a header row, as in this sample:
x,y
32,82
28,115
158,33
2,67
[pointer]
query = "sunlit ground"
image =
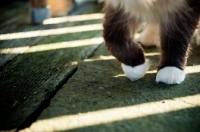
x,y
73,18
51,32
71,43
54,46
81,120
69,31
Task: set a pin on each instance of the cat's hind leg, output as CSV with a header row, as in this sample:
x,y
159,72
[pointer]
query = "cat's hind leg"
x,y
175,38
150,36
198,36
118,33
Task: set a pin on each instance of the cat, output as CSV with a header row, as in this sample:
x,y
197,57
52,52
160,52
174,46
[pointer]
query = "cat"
x,y
173,21
198,36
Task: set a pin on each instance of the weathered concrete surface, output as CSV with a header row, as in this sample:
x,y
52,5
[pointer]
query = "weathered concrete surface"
x,y
100,98
36,60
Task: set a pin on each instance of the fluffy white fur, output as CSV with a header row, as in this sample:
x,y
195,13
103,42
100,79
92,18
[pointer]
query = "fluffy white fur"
x,y
150,36
150,10
137,72
170,75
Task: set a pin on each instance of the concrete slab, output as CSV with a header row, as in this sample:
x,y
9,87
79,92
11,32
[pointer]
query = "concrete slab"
x,y
37,60
100,98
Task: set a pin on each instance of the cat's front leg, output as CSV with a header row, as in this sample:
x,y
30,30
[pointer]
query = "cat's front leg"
x,y
119,28
175,38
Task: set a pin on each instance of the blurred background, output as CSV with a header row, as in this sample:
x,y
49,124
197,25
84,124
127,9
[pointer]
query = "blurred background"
x,y
44,9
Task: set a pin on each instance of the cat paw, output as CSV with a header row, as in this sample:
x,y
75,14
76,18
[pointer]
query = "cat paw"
x,y
137,72
170,75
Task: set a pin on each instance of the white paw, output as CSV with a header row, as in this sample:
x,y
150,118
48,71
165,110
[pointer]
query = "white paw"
x,y
135,73
170,75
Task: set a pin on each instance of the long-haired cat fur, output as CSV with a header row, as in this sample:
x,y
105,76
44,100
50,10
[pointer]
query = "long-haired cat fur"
x,y
173,21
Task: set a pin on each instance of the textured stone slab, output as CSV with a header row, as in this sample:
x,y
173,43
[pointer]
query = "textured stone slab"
x,y
39,65
100,98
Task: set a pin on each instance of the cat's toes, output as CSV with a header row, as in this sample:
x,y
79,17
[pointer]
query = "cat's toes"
x,y
170,75
137,72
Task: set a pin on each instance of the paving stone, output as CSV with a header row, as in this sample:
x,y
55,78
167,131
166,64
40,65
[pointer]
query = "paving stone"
x,y
99,97
36,61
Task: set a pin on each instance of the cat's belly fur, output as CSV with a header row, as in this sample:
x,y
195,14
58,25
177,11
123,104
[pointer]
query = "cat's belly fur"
x,y
150,10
